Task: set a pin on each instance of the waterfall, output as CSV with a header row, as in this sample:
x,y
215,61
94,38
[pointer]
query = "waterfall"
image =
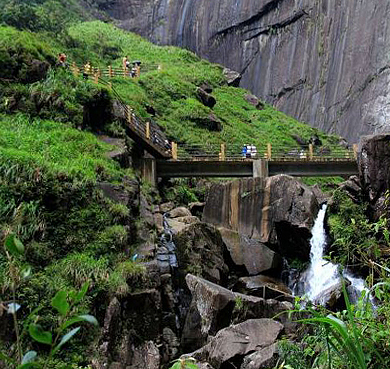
x,y
322,276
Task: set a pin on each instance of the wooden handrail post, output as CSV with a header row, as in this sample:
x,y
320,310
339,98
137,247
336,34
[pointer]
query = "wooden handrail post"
x,y
174,150
129,116
355,150
311,151
269,151
110,71
138,71
147,130
223,152
96,77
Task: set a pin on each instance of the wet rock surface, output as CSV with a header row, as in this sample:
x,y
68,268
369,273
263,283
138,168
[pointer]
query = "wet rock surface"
x,y
278,211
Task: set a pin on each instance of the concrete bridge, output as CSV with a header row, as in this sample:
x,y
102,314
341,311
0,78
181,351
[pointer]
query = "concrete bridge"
x,y
169,160
254,168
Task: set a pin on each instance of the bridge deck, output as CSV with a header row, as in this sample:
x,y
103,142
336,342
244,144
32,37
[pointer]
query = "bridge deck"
x,y
245,168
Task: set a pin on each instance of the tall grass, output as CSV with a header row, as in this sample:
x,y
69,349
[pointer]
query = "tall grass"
x,y
58,148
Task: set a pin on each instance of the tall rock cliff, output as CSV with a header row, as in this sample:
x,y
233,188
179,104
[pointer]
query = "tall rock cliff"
x,y
325,62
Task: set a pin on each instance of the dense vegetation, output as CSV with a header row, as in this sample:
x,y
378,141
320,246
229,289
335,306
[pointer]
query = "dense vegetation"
x,y
52,163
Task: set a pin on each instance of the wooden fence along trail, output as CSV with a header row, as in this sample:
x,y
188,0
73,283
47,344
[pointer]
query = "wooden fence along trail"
x,y
181,160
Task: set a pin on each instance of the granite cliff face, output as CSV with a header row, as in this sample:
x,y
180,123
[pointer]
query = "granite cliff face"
x,y
325,62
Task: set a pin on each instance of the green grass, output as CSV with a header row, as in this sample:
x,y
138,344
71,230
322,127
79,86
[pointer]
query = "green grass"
x,y
54,147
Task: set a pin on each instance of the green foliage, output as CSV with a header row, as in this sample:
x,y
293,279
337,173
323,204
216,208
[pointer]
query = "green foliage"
x,y
18,50
181,191
40,15
64,302
184,363
357,241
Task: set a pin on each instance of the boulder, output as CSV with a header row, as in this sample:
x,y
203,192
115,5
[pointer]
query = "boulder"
x,y
120,152
188,219
210,122
179,212
146,355
117,193
278,211
36,70
250,253
253,100
176,225
196,208
166,207
233,78
205,98
200,251
353,188
264,358
171,345
374,173
265,287
206,87
231,344
214,307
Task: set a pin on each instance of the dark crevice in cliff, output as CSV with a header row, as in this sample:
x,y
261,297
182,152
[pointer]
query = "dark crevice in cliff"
x,y
293,88
254,56
267,8
269,30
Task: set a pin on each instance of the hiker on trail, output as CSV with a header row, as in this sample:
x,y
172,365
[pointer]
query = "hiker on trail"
x,y
125,63
249,151
243,151
87,70
254,151
133,72
62,60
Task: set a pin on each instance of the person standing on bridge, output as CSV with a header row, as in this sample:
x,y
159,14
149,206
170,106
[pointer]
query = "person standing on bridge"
x,y
243,151
125,64
87,70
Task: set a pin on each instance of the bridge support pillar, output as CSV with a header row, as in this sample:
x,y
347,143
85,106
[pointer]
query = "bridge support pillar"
x,y
149,170
260,168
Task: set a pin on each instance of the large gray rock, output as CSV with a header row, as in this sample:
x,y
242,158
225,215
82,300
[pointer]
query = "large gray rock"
x,y
238,340
233,78
263,358
250,253
374,173
179,212
278,211
205,98
304,57
214,307
200,251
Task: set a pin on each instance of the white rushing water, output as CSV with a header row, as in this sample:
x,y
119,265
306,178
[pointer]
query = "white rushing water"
x,y
322,276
